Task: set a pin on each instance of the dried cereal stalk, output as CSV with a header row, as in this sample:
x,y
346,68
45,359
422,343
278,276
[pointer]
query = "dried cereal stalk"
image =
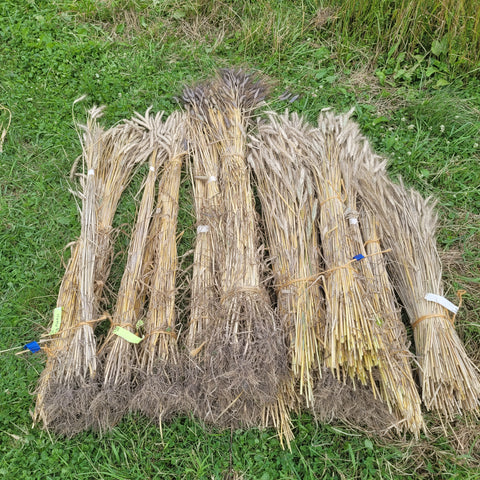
x,y
4,129
160,382
69,380
66,382
278,156
449,379
241,361
352,345
205,170
118,352
407,227
395,378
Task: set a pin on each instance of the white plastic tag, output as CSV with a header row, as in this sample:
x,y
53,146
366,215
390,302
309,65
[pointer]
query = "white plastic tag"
x,y
203,229
432,297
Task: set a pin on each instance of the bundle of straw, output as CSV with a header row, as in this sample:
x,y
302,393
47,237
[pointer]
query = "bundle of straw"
x,y
243,357
379,307
406,228
67,383
110,404
205,170
352,345
251,341
397,386
278,156
159,357
280,153
449,379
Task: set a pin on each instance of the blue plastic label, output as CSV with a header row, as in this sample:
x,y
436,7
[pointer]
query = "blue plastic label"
x,y
34,347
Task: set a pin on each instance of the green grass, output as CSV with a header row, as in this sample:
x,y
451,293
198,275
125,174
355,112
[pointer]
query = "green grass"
x,y
132,54
445,35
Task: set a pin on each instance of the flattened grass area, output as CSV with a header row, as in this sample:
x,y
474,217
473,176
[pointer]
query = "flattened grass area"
x,y
419,107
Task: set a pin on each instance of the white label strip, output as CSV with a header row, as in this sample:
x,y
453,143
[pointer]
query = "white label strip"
x,y
203,229
432,297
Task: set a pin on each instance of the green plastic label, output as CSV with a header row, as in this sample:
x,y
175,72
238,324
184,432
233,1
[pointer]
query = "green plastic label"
x,y
127,335
57,320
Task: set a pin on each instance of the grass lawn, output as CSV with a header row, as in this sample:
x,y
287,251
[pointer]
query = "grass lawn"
x,y
419,106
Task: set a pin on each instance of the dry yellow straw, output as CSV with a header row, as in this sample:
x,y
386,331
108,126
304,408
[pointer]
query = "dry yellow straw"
x,y
207,204
253,337
397,386
159,356
239,350
128,146
285,188
205,311
279,158
61,399
352,345
449,379
112,401
74,367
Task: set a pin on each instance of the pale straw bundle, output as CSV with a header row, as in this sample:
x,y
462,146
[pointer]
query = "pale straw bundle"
x,y
394,375
129,145
205,172
48,408
449,379
281,152
158,362
205,308
253,342
407,228
289,208
118,352
397,386
243,354
68,381
351,341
